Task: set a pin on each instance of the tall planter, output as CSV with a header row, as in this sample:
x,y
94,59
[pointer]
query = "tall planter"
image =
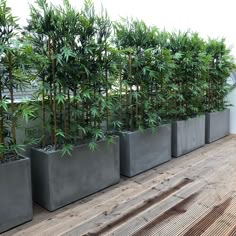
x,y
188,135
58,181
140,151
217,125
16,196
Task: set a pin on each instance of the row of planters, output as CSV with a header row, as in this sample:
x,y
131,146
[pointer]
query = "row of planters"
x,y
113,97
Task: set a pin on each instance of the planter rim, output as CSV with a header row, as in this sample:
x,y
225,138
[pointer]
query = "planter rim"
x,y
24,158
76,146
226,109
189,118
137,131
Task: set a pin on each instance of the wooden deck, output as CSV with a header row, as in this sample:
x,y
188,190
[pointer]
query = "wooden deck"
x,y
188,196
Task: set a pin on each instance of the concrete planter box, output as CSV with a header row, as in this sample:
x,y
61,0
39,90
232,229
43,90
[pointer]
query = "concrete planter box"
x,y
217,125
188,135
58,181
15,194
140,151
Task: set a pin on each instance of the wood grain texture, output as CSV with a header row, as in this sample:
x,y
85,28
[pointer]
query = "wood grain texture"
x,y
192,195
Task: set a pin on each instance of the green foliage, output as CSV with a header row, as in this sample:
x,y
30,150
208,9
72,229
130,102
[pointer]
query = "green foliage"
x,y
77,72
67,149
191,66
16,72
201,71
146,66
93,73
220,67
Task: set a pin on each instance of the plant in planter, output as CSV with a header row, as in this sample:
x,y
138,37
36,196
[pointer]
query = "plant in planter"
x,y
75,101
188,83
220,67
142,76
15,73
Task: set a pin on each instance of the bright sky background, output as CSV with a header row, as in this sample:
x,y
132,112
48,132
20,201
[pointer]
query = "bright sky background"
x,y
214,18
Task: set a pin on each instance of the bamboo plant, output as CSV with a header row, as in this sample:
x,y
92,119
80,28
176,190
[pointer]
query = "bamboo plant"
x,y
145,68
189,79
220,67
78,75
91,74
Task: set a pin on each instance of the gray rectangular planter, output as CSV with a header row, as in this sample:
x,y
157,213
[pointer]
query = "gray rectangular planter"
x,y
217,125
142,150
188,135
58,181
15,194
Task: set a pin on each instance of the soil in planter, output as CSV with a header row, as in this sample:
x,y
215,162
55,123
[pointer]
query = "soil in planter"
x,y
51,148
10,158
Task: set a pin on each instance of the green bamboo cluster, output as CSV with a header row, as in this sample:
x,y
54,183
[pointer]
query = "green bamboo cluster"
x,y
97,77
78,72
169,76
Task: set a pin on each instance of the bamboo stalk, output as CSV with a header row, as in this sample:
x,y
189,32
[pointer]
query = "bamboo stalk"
x,y
54,100
54,108
61,105
87,112
142,107
107,111
127,106
94,123
120,80
156,99
106,78
65,120
83,106
131,98
89,108
209,94
51,109
1,122
69,108
76,108
50,93
43,116
13,124
175,102
151,94
99,104
137,105
131,109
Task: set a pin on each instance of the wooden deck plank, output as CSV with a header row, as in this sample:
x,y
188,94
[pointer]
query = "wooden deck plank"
x,y
188,214
184,194
210,169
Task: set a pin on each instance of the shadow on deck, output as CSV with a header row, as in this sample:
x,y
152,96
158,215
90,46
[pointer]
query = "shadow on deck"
x,y
190,196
